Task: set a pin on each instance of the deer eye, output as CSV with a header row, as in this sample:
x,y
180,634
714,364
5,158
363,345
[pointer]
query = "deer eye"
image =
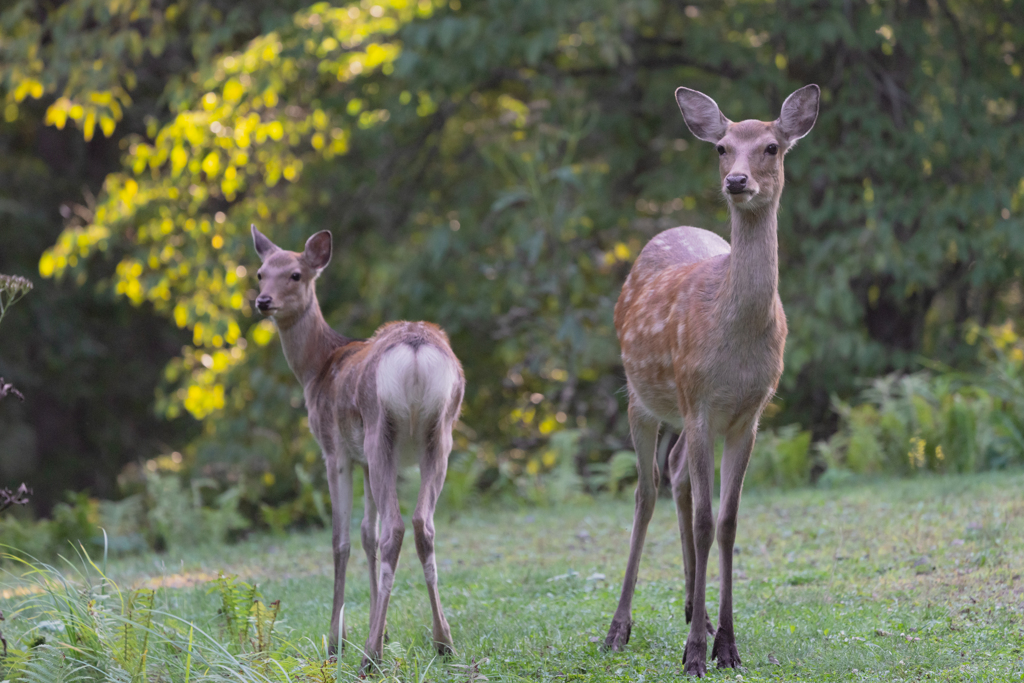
x,y
721,150
296,277
772,149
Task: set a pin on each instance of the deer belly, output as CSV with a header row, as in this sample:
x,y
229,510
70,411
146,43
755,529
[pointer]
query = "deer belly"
x,y
654,387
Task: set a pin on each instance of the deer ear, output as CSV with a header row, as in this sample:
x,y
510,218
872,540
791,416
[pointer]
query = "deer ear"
x,y
799,112
318,251
703,117
264,247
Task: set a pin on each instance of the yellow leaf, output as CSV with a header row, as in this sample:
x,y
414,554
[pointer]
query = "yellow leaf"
x,y
46,264
180,315
263,333
22,90
57,114
107,126
179,157
233,91
89,127
211,164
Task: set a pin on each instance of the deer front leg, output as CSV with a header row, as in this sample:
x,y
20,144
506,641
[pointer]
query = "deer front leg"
x,y
433,465
734,465
644,430
680,475
381,456
339,484
700,457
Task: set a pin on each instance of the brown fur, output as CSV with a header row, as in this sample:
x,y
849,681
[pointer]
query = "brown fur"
x,y
350,417
702,332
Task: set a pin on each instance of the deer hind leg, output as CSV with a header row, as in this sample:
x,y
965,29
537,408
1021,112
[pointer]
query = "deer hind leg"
x,y
379,445
734,465
700,457
433,465
339,483
644,430
368,534
681,493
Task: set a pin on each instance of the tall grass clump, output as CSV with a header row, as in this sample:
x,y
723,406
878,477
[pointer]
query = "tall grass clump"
x,y
79,625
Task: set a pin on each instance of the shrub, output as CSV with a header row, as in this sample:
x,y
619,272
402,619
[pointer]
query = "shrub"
x,y
781,458
923,422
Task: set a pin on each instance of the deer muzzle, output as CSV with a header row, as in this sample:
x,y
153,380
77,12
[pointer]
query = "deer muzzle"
x,y
736,184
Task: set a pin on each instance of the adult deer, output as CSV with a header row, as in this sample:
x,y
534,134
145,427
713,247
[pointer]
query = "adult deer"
x,y
702,333
381,403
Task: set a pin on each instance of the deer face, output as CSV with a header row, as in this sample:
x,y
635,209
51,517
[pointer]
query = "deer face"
x,y
750,152
286,278
750,162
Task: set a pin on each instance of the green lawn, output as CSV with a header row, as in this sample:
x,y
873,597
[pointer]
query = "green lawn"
x,y
900,580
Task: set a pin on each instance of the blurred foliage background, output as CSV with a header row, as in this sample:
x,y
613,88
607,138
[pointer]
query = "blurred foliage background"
x,y
494,166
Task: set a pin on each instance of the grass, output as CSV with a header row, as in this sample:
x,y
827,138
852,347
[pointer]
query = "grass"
x,y
884,581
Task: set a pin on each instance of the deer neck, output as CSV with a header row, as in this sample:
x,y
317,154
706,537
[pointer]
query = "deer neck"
x,y
306,340
752,281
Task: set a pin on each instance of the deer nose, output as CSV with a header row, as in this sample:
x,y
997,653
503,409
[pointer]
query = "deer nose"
x,y
736,183
263,302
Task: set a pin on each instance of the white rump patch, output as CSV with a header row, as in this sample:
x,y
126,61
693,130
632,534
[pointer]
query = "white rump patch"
x,y
415,381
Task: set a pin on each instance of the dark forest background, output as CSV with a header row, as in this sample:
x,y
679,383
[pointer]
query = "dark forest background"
x,y
494,166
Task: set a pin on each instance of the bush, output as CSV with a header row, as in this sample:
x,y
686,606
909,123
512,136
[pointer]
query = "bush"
x,y
781,458
165,515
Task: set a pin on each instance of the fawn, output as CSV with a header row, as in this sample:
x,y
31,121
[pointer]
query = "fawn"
x,y
379,403
702,332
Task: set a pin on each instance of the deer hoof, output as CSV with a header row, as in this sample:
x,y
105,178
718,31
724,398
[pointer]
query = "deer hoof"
x,y
618,635
724,650
368,666
695,658
443,643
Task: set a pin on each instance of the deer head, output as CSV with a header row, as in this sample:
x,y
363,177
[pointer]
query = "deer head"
x,y
750,152
286,278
